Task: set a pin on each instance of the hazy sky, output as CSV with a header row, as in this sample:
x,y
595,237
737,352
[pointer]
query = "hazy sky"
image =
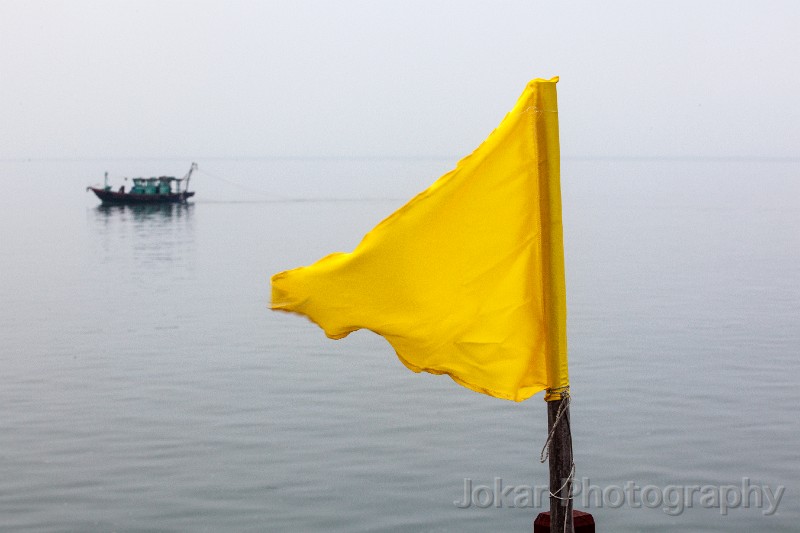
x,y
371,78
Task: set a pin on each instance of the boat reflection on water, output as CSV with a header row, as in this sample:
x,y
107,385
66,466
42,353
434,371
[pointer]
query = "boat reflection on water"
x,y
145,235
145,211
144,219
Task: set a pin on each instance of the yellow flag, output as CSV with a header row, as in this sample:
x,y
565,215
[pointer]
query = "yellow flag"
x,y
466,279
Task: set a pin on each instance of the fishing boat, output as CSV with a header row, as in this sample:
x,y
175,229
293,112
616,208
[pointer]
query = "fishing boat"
x,y
160,190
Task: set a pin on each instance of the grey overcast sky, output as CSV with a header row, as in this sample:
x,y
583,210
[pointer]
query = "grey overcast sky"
x,y
372,78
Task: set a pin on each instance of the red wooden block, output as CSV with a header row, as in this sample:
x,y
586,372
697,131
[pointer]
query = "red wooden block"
x,y
584,522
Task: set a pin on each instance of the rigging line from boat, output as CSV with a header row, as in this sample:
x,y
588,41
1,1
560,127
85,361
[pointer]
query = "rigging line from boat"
x,y
245,188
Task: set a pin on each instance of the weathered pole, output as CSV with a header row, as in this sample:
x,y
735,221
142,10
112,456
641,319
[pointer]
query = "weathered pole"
x,y
561,465
554,304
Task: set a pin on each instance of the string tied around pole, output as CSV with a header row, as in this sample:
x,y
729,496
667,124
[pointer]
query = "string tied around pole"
x,y
560,393
563,392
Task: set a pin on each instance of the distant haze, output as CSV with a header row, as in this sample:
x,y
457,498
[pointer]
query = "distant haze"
x,y
404,78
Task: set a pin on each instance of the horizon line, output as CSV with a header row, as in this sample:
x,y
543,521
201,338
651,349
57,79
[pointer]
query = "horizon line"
x,y
366,157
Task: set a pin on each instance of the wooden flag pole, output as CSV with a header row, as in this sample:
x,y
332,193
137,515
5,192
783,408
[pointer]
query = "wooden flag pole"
x,y
561,465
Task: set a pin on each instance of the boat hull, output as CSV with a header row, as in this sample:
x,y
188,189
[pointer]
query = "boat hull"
x,y
125,198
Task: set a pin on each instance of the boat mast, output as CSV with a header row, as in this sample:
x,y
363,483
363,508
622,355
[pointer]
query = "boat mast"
x,y
189,175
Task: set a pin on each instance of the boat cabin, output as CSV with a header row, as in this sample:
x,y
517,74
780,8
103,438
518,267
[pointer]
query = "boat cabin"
x,y
160,185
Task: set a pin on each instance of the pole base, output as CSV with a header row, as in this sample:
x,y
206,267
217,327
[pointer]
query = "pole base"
x,y
584,522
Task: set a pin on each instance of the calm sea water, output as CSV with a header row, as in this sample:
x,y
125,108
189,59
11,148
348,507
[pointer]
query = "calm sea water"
x,y
145,385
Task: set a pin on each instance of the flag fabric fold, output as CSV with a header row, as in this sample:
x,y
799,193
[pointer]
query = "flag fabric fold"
x,y
467,278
